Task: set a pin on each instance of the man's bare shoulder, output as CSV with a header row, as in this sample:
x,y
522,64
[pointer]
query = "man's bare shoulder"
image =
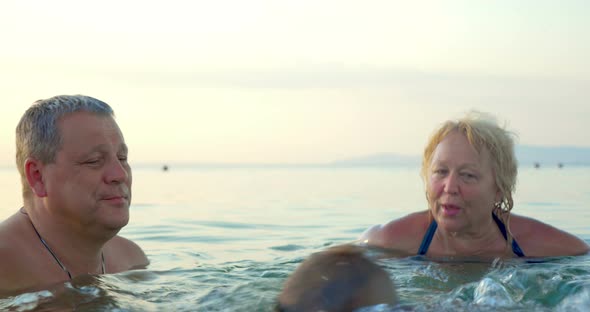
x,y
10,255
13,238
538,239
122,254
18,268
403,234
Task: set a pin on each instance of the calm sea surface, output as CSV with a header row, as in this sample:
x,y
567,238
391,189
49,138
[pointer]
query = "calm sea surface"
x,y
225,239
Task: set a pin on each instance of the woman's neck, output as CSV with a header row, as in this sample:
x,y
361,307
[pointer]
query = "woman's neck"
x,y
486,240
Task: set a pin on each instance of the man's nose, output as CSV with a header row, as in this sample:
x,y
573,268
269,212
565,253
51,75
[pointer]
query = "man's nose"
x,y
117,172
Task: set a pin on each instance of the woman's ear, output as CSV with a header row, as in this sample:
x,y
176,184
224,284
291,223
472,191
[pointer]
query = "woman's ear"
x,y
498,197
34,175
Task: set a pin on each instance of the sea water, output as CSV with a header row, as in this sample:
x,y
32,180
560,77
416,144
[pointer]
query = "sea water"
x,y
225,238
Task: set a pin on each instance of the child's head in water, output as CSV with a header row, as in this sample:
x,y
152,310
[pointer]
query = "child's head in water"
x,y
338,279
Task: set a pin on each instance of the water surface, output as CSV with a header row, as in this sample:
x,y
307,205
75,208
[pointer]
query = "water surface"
x,y
225,239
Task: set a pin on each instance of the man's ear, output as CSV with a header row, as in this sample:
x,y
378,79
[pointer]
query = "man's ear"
x,y
34,174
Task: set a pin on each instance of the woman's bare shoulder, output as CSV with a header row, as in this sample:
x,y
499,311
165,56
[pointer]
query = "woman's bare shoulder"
x,y
403,234
539,239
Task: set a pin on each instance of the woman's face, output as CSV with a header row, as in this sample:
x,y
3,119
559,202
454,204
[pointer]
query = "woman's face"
x,y
461,186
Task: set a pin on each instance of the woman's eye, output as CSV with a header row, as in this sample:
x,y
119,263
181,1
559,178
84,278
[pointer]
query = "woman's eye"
x,y
440,171
468,175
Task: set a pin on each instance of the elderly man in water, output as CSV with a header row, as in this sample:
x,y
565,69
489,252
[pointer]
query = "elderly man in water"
x,y
338,279
76,185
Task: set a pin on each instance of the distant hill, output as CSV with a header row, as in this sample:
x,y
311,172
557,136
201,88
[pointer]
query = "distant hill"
x,y
527,155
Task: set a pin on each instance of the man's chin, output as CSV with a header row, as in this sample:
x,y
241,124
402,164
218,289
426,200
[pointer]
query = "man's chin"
x,y
113,228
118,225
116,221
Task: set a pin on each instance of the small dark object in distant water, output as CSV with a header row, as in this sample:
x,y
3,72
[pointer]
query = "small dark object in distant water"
x,y
537,165
559,165
165,168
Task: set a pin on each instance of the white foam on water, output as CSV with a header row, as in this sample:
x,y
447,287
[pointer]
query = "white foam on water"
x,y
30,301
491,293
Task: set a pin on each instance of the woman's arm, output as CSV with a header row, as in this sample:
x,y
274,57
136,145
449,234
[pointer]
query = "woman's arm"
x,y
538,239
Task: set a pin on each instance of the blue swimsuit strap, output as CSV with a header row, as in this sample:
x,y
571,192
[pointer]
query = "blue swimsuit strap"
x,y
433,225
427,238
515,248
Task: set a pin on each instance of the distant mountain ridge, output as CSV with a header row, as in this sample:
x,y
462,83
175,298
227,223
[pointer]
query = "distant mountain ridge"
x,y
526,155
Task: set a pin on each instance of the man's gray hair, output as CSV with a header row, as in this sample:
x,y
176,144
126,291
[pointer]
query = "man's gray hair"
x,y
37,134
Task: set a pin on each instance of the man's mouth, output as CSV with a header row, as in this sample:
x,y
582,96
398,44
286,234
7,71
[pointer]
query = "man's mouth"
x,y
116,199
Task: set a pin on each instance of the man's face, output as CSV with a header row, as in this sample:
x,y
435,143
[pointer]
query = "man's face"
x,y
89,184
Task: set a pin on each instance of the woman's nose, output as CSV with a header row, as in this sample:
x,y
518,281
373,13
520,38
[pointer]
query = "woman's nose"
x,y
451,184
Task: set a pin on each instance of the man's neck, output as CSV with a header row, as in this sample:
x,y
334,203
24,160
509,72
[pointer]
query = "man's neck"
x,y
78,250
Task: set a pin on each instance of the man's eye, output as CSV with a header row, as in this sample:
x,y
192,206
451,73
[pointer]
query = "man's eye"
x,y
92,162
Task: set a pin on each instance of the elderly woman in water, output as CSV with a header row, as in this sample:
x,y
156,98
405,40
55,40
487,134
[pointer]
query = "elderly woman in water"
x,y
469,170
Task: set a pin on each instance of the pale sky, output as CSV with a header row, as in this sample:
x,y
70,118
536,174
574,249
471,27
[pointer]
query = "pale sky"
x,y
300,81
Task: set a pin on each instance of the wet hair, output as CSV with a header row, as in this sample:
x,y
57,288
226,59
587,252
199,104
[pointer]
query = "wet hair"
x,y
338,279
37,133
482,132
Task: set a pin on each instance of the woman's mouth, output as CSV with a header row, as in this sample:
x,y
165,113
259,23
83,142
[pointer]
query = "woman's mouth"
x,y
449,210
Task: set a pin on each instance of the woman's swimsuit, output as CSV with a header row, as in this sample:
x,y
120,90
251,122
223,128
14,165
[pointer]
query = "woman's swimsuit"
x,y
433,225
